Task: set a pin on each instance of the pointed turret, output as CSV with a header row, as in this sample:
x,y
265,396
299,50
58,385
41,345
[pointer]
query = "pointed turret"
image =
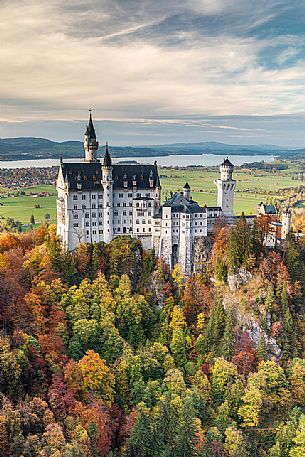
x,y
107,159
90,143
186,191
90,128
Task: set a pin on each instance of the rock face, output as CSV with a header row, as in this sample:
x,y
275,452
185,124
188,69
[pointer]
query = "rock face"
x,y
201,252
255,333
249,314
239,279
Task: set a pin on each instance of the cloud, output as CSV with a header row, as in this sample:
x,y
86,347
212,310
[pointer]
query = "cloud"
x,y
151,59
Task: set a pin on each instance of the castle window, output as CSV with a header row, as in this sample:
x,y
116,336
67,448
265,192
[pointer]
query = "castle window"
x,y
137,230
124,213
139,195
143,229
125,184
137,221
166,224
93,205
130,213
75,206
87,232
143,221
93,197
116,213
94,232
118,204
100,196
166,216
75,197
130,203
149,229
149,213
147,195
75,216
100,232
149,221
121,195
75,225
124,204
100,223
119,229
100,214
93,214
83,197
130,195
87,215
83,206
87,224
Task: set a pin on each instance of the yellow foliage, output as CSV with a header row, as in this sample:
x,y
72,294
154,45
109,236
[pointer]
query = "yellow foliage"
x,y
200,322
178,319
96,376
250,411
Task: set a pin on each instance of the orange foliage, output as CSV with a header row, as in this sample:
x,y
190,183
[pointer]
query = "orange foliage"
x,y
9,241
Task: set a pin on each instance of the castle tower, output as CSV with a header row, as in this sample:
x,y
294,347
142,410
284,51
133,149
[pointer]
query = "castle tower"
x,y
107,183
186,191
286,223
225,188
90,143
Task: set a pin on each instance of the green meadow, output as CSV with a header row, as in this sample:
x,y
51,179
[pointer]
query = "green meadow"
x,y
252,187
21,208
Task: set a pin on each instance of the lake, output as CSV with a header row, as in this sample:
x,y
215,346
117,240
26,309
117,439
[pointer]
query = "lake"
x,y
206,160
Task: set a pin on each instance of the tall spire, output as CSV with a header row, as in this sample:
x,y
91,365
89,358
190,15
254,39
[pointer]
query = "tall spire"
x,y
90,127
107,159
90,143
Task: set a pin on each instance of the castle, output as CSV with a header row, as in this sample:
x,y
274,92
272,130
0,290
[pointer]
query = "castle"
x,y
99,201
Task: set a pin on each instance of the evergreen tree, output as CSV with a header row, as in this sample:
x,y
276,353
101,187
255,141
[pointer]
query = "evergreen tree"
x,y
262,348
228,339
215,327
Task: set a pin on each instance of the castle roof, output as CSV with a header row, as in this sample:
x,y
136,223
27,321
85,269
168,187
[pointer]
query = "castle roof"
x,y
89,175
107,158
90,128
180,204
227,163
186,186
142,174
268,209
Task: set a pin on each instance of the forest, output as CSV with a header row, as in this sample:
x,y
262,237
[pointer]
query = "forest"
x,y
105,352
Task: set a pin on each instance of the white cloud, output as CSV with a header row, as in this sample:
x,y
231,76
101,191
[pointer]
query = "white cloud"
x,y
51,71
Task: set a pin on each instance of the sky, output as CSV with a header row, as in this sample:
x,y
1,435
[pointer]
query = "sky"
x,y
154,71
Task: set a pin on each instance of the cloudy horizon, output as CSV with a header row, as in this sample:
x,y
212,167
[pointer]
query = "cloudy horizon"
x,y
154,72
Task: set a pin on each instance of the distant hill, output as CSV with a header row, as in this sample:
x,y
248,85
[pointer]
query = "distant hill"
x,y
41,148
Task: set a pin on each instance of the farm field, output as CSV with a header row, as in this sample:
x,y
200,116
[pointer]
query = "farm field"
x,y
252,187
21,208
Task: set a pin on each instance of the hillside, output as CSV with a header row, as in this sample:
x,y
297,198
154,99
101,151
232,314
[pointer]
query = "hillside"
x,y
41,148
104,352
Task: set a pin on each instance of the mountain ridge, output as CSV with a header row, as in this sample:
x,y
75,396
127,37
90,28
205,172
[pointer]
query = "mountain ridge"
x,y
42,148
